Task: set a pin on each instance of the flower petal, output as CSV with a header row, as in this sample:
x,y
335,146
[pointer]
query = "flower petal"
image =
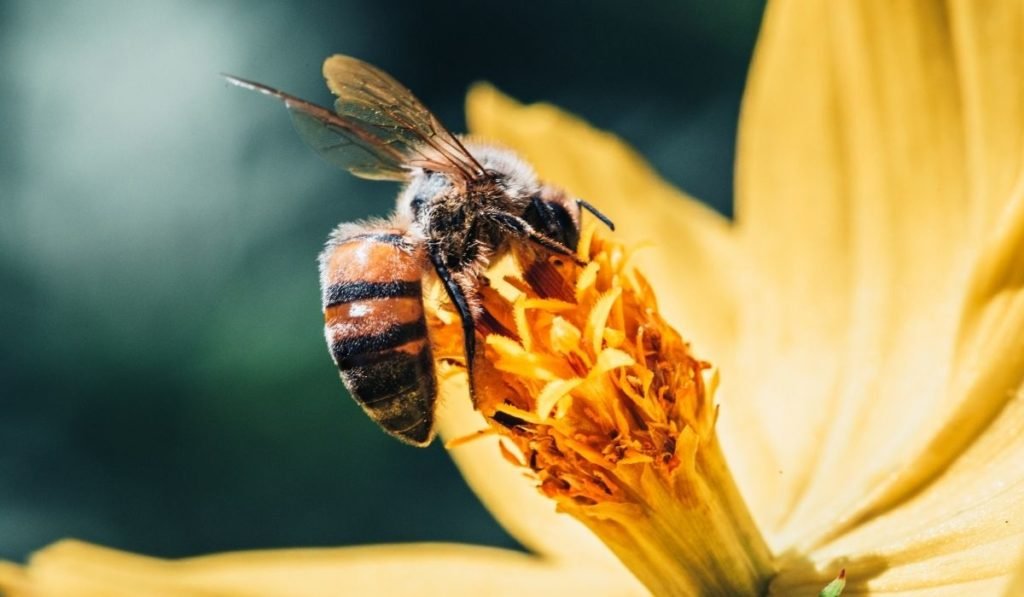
x,y
989,52
970,520
989,367
966,527
811,583
989,357
75,568
1017,584
864,141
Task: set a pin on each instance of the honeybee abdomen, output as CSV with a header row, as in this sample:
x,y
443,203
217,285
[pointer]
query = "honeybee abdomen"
x,y
376,330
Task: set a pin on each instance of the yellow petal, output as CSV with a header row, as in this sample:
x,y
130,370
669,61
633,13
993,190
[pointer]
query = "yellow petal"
x,y
792,210
609,359
1017,584
989,369
13,579
860,201
552,393
598,317
83,570
988,362
811,584
692,255
989,53
966,528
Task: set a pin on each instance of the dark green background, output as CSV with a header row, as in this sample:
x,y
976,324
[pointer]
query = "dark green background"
x,y
165,385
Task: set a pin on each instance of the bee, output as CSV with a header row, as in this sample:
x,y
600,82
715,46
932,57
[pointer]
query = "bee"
x,y
462,205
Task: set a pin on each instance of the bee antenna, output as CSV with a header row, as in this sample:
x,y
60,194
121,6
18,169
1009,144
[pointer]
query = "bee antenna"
x,y
597,214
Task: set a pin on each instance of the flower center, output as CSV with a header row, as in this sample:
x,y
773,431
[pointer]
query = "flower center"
x,y
606,406
587,381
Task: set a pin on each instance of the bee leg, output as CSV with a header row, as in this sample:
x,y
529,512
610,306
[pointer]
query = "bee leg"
x,y
458,299
522,229
597,214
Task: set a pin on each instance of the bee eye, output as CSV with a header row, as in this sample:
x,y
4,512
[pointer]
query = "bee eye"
x,y
416,204
552,219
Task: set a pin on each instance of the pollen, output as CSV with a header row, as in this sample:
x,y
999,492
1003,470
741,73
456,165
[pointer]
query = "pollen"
x,y
585,380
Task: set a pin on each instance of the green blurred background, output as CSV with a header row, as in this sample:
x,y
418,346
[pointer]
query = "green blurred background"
x,y
164,382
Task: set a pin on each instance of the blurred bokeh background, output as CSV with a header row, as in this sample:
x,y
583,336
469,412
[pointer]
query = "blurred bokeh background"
x,y
164,384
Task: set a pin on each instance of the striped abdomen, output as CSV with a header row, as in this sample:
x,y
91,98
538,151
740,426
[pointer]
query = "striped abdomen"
x,y
376,330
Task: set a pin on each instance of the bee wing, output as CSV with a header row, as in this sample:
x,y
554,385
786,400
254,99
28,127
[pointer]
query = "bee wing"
x,y
379,129
388,112
338,140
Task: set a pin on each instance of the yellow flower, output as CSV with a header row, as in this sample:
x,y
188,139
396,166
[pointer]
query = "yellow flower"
x,y
865,311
